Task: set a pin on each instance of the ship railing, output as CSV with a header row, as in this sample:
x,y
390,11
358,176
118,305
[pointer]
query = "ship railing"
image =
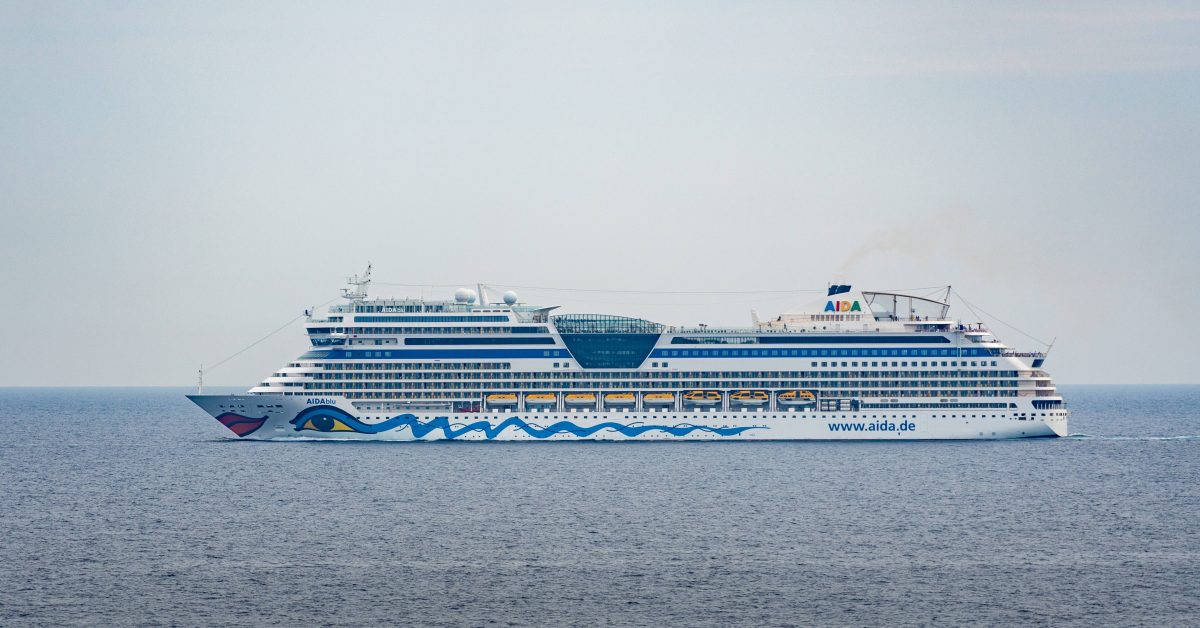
x,y
757,330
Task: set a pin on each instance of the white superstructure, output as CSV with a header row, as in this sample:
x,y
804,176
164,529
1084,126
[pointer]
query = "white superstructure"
x,y
855,365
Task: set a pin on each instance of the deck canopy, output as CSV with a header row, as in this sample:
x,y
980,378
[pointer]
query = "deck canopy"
x,y
901,307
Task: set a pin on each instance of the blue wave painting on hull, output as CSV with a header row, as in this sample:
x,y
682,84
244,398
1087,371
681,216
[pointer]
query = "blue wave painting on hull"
x,y
332,419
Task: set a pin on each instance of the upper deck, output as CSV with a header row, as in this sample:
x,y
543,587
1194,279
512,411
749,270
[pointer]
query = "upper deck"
x,y
866,345
842,317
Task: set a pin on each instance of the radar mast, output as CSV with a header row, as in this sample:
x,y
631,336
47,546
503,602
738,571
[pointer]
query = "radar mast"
x,y
359,291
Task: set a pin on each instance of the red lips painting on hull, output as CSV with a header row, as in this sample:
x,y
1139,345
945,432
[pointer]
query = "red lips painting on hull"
x,y
241,425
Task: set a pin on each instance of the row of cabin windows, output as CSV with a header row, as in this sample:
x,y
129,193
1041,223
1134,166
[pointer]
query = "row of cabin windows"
x,y
450,318
826,353
883,389
429,330
344,373
825,393
430,382
898,406
922,364
411,366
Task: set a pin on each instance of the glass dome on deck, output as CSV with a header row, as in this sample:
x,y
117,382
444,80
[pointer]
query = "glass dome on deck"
x,y
604,324
606,341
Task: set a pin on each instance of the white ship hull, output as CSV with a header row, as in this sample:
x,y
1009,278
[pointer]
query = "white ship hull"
x,y
274,417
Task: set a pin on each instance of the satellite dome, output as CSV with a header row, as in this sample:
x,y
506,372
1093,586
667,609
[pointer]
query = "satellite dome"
x,y
510,298
464,295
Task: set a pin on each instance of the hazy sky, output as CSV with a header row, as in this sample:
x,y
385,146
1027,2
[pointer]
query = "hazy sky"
x,y
178,179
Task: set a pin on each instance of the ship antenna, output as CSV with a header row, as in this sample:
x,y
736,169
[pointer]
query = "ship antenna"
x,y
200,381
359,292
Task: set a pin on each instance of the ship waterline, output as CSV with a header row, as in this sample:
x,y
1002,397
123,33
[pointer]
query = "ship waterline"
x,y
854,365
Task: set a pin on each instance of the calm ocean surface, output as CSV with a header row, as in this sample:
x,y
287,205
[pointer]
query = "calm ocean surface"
x,y
131,506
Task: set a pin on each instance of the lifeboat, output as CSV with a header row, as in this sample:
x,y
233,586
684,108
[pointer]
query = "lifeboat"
x,y
796,398
749,398
502,399
620,399
702,398
658,399
541,399
580,399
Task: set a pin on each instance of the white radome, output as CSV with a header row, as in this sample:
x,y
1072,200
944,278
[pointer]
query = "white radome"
x,y
465,295
510,298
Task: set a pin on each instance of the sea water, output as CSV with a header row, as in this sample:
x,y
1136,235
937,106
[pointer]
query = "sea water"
x,y
134,507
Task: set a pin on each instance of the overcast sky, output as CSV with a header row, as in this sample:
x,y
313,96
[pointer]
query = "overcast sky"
x,y
178,179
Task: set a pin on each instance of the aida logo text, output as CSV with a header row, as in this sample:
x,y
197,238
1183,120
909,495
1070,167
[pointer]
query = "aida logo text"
x,y
842,306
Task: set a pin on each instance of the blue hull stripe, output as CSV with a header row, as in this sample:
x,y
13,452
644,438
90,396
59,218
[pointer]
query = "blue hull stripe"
x,y
426,354
331,419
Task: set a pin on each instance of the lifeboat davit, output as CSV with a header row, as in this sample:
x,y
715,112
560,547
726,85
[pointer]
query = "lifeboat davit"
x,y
658,399
622,400
749,398
580,399
702,398
502,399
541,399
796,399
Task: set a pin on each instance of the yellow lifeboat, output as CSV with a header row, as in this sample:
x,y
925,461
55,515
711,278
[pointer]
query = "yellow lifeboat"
x,y
796,398
541,399
580,399
658,399
620,399
749,398
502,399
702,398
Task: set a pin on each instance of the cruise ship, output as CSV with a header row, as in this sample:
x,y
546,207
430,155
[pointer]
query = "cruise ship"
x,y
855,365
